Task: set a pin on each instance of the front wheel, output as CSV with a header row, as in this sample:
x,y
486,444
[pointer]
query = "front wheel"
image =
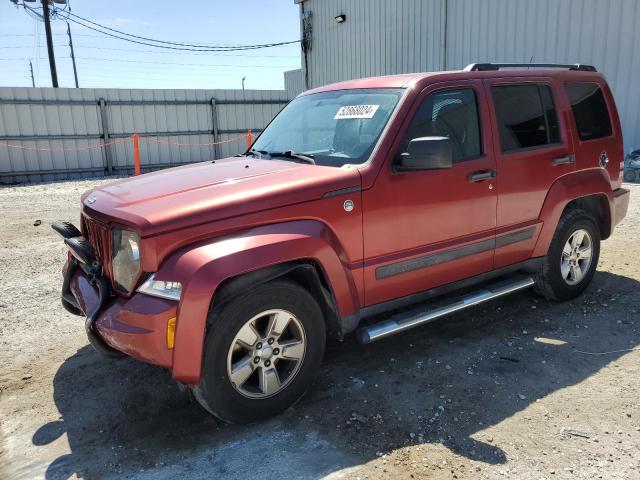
x,y
262,350
572,258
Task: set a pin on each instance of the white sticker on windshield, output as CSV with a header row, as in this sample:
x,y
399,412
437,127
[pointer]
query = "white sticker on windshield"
x,y
356,111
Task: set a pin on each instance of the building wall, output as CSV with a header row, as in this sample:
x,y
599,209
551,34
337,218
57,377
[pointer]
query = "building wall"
x,y
383,37
374,38
293,82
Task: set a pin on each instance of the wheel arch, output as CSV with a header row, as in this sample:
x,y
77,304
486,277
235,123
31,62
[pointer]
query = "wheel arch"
x,y
596,205
305,251
589,190
306,272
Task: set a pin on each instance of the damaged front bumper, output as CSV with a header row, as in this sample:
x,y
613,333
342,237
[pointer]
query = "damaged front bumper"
x,y
115,325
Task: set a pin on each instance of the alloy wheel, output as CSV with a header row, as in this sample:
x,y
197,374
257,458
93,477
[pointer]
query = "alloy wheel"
x,y
576,257
266,354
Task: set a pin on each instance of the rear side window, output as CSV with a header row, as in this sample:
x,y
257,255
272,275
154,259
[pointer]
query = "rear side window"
x,y
589,110
526,116
452,114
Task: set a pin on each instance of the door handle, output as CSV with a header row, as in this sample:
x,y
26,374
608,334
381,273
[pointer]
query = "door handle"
x,y
566,160
482,175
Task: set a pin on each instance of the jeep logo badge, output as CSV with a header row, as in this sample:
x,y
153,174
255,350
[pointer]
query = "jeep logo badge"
x,y
348,205
603,159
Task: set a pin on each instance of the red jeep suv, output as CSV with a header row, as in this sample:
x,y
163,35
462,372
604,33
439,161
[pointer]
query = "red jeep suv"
x,y
359,198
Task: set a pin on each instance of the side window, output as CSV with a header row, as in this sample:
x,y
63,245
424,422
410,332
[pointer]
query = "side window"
x,y
526,116
452,114
589,110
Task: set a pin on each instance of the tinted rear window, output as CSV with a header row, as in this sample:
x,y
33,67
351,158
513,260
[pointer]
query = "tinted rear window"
x,y
589,110
526,116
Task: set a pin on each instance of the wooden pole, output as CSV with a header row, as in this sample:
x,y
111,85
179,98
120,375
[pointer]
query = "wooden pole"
x,y
47,29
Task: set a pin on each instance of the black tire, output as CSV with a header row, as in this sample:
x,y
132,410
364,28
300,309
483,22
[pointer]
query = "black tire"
x,y
216,393
66,229
549,280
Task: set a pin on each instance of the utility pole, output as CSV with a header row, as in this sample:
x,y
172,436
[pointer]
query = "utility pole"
x,y
73,57
33,82
243,79
47,28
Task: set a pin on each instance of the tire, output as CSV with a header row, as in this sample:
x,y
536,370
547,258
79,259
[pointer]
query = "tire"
x,y
66,229
552,281
227,352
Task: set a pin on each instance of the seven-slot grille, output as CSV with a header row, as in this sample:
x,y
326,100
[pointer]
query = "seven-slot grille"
x,y
99,237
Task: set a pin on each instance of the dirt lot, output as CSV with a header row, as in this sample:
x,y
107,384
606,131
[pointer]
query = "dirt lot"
x,y
519,388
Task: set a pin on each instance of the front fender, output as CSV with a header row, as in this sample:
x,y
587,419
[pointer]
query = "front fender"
x,y
567,188
203,267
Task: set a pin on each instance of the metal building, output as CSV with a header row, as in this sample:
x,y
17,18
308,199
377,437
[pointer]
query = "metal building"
x,y
293,82
344,39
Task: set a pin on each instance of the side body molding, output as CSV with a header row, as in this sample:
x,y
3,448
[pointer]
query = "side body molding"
x,y
201,269
580,184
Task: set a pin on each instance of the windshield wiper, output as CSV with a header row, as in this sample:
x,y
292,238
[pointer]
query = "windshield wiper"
x,y
256,153
305,157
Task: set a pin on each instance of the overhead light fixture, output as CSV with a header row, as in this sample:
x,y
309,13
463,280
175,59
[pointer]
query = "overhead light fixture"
x,y
341,18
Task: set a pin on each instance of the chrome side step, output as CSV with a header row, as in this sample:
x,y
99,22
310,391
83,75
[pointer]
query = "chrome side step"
x,y
404,321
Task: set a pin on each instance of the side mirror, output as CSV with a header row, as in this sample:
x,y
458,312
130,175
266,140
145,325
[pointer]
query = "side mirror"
x,y
425,153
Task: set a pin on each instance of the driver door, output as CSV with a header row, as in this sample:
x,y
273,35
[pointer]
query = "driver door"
x,y
427,228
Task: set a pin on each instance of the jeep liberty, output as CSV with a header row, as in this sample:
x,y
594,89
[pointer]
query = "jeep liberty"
x,y
421,193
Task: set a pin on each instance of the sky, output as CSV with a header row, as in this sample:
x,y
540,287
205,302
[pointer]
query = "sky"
x,y
107,62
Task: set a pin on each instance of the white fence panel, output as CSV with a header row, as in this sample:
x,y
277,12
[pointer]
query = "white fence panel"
x,y
52,134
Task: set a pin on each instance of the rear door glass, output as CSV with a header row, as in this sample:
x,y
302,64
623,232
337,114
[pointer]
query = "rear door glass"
x,y
589,110
526,116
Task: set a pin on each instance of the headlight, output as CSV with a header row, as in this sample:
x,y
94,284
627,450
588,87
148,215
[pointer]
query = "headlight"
x,y
634,162
125,258
162,289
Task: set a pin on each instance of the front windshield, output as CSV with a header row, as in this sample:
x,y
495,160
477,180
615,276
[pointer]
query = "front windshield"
x,y
334,128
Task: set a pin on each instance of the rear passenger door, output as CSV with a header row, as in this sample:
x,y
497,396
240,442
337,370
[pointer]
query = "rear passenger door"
x,y
531,153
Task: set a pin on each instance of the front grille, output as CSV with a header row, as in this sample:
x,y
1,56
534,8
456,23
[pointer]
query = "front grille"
x,y
100,239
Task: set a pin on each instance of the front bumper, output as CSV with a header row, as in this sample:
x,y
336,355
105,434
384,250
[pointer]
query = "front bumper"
x,y
135,326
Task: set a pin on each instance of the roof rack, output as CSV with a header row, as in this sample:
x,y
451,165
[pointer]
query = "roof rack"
x,y
482,67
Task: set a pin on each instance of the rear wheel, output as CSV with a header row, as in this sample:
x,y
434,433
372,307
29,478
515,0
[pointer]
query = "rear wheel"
x,y
572,258
262,350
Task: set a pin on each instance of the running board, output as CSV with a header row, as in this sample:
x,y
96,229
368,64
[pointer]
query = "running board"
x,y
404,321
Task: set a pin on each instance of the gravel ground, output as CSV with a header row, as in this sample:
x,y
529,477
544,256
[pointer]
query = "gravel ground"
x,y
517,388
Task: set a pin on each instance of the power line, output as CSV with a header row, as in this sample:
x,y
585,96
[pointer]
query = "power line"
x,y
27,46
183,64
151,63
155,45
216,54
219,49
181,44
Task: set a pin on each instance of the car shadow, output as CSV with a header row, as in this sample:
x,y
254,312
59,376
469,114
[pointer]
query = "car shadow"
x,y
446,382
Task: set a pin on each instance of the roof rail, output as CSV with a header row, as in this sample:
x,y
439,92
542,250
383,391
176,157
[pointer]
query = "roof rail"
x,y
482,67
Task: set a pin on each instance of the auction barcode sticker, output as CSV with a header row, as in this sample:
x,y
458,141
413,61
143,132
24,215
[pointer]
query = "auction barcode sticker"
x,y
356,111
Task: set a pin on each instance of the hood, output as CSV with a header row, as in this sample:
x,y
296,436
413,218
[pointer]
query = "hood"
x,y
203,192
